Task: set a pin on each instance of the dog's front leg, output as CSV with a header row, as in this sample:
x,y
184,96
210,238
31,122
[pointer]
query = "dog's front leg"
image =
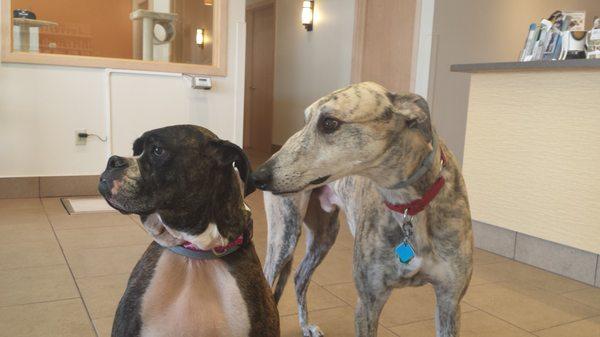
x,y
323,228
369,278
284,219
371,299
448,294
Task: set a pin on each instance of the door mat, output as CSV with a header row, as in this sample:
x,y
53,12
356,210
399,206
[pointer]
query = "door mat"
x,y
86,205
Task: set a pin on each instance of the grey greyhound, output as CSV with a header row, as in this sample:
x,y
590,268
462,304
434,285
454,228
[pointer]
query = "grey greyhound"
x,y
374,155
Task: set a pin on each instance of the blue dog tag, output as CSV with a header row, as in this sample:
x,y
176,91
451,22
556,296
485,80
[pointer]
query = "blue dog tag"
x,y
405,252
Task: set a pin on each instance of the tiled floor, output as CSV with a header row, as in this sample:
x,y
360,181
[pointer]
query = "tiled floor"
x,y
62,275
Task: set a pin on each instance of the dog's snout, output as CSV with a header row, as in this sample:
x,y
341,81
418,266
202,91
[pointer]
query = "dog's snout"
x,y
262,178
116,162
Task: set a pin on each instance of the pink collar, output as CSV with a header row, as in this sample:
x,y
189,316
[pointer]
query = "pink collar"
x,y
187,249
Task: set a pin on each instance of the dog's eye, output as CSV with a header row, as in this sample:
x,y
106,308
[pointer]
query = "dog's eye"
x,y
157,151
329,125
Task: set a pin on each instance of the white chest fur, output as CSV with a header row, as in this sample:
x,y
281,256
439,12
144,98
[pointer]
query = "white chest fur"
x,y
193,298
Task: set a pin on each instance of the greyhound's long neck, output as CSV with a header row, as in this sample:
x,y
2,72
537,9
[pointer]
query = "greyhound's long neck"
x,y
403,166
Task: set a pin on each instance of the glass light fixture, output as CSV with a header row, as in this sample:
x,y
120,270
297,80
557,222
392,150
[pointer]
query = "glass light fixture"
x,y
208,2
200,37
308,12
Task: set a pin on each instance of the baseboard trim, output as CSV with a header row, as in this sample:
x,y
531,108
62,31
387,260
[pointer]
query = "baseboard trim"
x,y
550,256
42,187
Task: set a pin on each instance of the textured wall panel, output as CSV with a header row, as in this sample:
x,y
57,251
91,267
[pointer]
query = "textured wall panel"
x,y
532,154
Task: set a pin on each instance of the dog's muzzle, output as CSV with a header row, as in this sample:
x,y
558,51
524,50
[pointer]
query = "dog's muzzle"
x,y
114,170
262,178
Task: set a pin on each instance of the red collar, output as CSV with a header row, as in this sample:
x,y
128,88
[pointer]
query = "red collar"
x,y
416,206
187,249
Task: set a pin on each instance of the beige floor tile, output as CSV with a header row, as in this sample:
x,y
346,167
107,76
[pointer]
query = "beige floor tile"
x,y
481,257
317,298
337,322
61,318
22,216
589,296
526,306
82,221
473,324
61,220
53,206
103,326
30,254
336,267
26,232
101,237
585,328
7,205
345,238
102,294
512,271
104,261
404,306
38,284
136,218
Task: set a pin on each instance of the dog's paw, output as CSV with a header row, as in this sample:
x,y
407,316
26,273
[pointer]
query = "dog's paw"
x,y
312,331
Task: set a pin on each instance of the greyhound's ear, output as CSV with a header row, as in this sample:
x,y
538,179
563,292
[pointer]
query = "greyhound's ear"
x,y
138,146
227,153
415,110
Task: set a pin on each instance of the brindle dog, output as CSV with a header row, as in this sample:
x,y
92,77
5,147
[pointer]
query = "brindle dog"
x,y
183,184
360,148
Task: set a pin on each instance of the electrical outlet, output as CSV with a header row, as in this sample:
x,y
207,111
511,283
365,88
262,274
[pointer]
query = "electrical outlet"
x,y
80,140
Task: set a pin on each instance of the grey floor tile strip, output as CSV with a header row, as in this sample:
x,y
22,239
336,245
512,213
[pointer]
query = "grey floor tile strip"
x,y
494,239
557,258
553,257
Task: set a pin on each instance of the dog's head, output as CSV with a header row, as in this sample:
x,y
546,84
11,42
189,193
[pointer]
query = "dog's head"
x,y
185,175
348,132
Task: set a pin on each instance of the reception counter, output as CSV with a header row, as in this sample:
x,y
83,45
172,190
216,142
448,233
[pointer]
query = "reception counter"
x,y
532,162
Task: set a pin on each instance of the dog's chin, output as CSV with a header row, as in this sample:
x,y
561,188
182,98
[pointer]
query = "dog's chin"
x,y
116,206
284,193
123,209
324,180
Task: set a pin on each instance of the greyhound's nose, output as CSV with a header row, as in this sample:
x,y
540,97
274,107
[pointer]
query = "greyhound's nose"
x,y
262,178
116,162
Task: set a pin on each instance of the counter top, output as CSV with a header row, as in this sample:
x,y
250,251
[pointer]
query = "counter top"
x,y
520,66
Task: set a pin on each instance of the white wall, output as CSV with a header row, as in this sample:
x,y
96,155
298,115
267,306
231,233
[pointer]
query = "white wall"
x,y
309,65
423,44
41,106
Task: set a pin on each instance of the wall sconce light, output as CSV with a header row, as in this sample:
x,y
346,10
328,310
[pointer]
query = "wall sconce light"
x,y
200,37
208,2
308,13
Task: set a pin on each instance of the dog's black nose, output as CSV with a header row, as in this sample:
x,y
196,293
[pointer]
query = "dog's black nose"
x,y
262,178
116,162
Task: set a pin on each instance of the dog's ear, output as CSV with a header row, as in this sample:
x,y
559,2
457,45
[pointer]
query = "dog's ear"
x,y
415,110
227,153
138,146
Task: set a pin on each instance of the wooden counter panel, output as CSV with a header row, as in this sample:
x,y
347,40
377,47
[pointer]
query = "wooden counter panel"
x,y
532,154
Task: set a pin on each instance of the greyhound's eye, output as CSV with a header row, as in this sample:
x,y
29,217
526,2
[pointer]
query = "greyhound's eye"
x,y
157,151
329,124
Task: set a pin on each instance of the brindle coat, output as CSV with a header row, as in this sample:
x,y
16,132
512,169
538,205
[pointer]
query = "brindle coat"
x,y
357,144
182,183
